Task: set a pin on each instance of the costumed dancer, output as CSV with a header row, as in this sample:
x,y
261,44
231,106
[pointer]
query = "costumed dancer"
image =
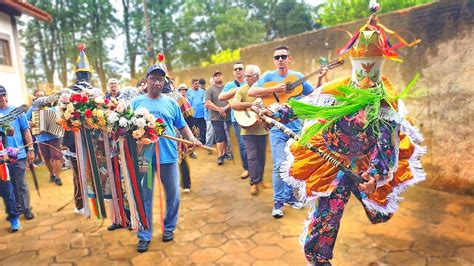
x,y
165,108
361,122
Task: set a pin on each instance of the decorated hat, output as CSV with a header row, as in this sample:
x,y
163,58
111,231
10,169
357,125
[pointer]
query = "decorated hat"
x,y
82,63
373,39
159,65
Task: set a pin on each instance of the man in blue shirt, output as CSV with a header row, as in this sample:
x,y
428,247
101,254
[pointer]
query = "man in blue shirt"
x,y
195,97
167,109
50,146
227,94
282,192
17,170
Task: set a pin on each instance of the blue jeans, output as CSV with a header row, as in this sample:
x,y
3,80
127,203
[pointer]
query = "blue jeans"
x,y
6,192
281,191
170,180
241,142
20,188
209,134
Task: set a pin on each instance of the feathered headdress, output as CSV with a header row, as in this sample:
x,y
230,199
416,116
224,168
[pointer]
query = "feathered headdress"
x,y
372,39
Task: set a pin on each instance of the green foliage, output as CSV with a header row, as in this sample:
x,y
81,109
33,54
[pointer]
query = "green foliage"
x,y
224,56
339,11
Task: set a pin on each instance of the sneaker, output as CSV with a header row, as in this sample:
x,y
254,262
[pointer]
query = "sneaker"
x,y
244,174
293,202
220,160
52,179
254,189
229,156
114,227
277,211
192,155
58,182
186,190
79,211
14,224
143,246
29,215
167,236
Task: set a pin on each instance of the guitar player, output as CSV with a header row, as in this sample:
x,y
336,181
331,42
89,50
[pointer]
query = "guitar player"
x,y
282,192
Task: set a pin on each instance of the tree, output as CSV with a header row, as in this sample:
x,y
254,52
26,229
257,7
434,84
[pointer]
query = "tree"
x,y
339,11
132,26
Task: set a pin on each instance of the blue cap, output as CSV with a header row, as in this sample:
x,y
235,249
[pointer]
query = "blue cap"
x,y
156,68
3,91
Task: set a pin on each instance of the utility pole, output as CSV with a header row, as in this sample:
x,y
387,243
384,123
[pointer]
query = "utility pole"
x,y
149,38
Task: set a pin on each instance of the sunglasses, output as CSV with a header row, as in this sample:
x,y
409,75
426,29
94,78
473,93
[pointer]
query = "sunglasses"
x,y
249,76
238,69
282,57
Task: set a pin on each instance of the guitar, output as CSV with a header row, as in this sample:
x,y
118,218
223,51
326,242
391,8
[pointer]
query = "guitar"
x,y
294,85
247,118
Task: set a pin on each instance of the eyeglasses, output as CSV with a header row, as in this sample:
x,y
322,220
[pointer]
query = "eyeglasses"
x,y
154,79
238,69
282,57
249,76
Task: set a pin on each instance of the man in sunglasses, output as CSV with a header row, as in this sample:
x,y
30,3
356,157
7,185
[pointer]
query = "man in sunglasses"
x,y
282,192
227,94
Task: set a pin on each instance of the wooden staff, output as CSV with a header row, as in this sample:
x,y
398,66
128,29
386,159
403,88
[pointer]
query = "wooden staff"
x,y
187,142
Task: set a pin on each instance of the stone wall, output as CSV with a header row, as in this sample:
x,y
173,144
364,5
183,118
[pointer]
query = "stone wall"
x,y
444,59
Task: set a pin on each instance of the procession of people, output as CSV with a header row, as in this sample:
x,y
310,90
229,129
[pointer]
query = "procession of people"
x,y
328,140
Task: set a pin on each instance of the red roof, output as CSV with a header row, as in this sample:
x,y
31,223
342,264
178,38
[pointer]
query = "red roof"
x,y
28,9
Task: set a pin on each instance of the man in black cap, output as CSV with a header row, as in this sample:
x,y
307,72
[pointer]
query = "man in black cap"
x,y
17,170
166,108
219,113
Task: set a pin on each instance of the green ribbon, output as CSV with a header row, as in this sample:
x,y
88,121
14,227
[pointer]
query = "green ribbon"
x,y
150,174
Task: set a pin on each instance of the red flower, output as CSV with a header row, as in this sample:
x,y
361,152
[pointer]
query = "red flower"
x,y
106,101
76,98
159,120
161,57
151,131
84,99
76,115
88,113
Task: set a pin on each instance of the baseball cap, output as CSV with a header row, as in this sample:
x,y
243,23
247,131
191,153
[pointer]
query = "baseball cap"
x,y
216,73
158,68
3,91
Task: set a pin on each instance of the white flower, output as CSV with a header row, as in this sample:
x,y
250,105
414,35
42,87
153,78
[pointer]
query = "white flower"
x,y
113,117
123,122
141,111
141,122
121,106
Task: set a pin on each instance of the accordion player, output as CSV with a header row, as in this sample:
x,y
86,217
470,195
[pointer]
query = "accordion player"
x,y
45,121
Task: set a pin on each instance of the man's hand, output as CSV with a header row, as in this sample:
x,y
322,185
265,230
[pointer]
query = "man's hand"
x,y
196,142
368,187
280,88
31,156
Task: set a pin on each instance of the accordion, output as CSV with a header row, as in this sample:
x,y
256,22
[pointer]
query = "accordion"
x,y
45,121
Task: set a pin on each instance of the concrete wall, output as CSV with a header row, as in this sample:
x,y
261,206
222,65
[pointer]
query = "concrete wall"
x,y
12,77
445,61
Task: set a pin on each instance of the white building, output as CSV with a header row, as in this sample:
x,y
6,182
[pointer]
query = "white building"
x,y
12,75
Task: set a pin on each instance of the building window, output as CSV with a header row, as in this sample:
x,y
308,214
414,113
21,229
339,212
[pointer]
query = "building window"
x,y
5,56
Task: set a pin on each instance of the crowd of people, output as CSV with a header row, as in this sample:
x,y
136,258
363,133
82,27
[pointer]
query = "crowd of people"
x,y
355,126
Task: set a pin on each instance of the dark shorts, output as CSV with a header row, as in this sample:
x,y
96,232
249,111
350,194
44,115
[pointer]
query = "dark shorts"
x,y
51,149
219,130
